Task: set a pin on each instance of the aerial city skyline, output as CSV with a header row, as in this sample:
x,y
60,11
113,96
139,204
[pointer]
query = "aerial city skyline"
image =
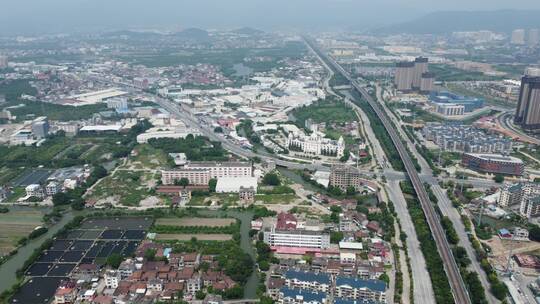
x,y
287,152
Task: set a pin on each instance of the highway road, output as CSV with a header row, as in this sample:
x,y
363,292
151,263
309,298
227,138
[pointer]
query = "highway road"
x,y
457,285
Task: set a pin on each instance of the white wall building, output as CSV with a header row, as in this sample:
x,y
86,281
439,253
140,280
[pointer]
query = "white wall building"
x,y
297,238
316,144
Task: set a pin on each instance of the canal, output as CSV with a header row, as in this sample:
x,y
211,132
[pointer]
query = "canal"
x,y
8,270
250,289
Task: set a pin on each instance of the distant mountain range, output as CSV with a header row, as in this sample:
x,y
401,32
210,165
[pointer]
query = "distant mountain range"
x,y
455,21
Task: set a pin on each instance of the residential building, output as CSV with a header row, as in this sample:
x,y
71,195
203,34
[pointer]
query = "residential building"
x,y
52,188
404,76
528,108
35,190
315,282
359,289
518,37
112,278
298,296
247,195
200,173
453,137
493,163
530,207
511,194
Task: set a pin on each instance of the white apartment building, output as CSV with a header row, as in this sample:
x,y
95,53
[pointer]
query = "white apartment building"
x,y
297,238
510,195
52,188
317,282
358,289
35,190
112,279
316,144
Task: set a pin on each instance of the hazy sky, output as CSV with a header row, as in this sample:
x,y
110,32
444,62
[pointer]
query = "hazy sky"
x,y
51,16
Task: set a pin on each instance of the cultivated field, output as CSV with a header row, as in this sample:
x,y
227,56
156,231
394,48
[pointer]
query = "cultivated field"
x,y
195,221
15,225
198,236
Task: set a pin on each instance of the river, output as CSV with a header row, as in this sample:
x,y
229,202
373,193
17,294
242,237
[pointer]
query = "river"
x,y
8,276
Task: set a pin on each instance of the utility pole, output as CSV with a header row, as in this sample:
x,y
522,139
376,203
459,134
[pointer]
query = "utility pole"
x,y
481,213
509,262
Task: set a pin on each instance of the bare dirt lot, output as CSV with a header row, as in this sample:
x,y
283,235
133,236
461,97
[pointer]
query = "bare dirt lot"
x,y
195,221
198,236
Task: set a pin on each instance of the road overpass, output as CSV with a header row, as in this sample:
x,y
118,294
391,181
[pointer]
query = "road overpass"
x,y
459,290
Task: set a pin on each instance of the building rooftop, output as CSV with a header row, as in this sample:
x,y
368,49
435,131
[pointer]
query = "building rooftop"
x,y
306,295
375,285
308,276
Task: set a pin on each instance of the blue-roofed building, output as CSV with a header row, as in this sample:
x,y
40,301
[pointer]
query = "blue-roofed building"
x,y
299,296
307,280
358,289
469,103
358,301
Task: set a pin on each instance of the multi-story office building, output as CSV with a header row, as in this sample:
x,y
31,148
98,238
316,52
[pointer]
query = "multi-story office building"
x,y
450,109
360,290
343,176
223,169
200,173
195,176
316,144
297,238
528,108
469,103
493,163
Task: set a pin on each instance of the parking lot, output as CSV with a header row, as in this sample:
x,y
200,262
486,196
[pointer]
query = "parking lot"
x,y
91,243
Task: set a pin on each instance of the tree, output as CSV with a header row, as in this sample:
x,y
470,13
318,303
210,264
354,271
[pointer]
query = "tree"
x,y
335,191
212,185
351,190
114,260
385,278
345,157
271,179
60,199
264,265
218,130
182,182
534,233
336,237
200,295
150,254
498,178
